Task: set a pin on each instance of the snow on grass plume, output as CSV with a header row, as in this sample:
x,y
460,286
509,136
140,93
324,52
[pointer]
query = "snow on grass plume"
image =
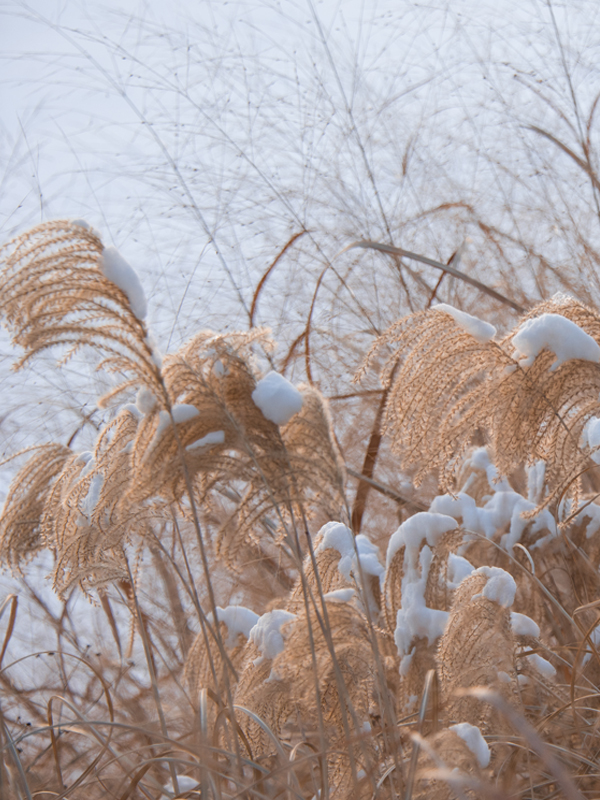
x,y
114,267
424,525
414,619
543,667
555,333
277,398
339,537
266,633
239,620
481,331
212,438
523,625
472,737
500,587
503,509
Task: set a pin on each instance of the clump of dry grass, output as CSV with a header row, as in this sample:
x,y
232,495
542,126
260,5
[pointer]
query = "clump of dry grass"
x,y
466,665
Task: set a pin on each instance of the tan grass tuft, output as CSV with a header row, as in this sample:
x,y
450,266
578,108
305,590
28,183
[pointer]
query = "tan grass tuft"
x,y
20,524
54,294
476,649
446,388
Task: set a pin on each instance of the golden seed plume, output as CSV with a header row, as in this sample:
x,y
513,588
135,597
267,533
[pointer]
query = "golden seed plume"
x,y
53,293
446,387
20,524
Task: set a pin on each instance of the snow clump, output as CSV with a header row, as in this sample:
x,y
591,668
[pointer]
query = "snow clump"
x,y
339,537
266,633
214,437
277,398
545,668
523,625
471,736
238,620
500,587
414,619
558,334
114,267
481,331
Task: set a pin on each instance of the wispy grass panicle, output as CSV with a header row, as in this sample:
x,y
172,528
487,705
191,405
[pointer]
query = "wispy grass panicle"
x,y
530,394
21,533
60,287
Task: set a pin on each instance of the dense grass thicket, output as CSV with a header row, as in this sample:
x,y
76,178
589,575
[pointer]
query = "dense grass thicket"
x,y
308,506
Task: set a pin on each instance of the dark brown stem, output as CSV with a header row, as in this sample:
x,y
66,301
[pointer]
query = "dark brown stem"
x,y
362,492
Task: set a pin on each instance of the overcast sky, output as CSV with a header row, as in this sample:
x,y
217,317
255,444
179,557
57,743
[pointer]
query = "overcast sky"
x,y
198,137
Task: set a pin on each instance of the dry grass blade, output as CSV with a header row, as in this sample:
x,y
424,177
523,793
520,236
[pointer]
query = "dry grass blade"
x,y
429,689
531,737
13,600
16,760
268,271
398,251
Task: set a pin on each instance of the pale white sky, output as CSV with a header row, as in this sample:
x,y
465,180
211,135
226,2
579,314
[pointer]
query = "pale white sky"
x,y
197,137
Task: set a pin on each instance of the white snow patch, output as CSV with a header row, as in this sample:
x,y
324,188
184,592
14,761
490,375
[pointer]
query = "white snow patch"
x,y
542,666
523,625
479,330
338,536
555,333
500,586
368,555
504,508
414,619
164,420
472,737
87,459
503,677
183,412
114,267
239,620
480,458
458,569
424,525
154,349
340,595
214,437
591,512
82,223
277,398
93,495
266,633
